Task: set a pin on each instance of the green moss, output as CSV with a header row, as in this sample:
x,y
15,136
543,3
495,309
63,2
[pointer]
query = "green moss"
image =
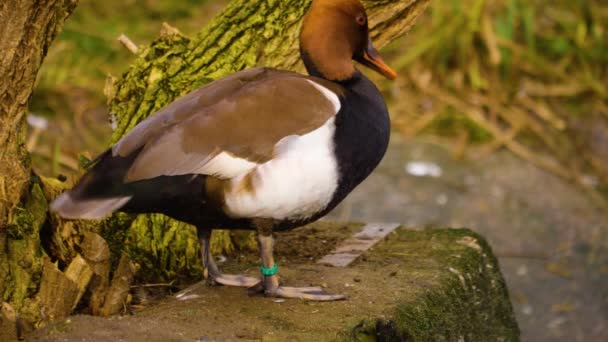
x,y
165,249
24,253
467,302
244,240
114,230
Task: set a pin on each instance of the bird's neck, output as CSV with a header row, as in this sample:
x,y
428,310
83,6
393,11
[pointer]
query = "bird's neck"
x,y
339,70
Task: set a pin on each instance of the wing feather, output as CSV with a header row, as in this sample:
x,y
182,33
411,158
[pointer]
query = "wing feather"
x,y
229,126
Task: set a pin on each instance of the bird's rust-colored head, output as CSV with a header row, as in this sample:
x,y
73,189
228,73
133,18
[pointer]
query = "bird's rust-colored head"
x,y
334,33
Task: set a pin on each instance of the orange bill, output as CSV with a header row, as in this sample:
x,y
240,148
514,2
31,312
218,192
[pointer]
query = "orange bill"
x,y
372,60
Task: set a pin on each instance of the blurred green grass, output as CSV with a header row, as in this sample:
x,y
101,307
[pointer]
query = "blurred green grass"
x,y
87,49
529,76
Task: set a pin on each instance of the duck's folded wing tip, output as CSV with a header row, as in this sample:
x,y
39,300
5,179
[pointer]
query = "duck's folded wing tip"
x,y
92,209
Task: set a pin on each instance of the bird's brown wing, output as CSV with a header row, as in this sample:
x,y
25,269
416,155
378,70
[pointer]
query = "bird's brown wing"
x,y
241,117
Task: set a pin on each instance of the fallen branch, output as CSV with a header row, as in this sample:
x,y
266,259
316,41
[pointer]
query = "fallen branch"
x,y
128,43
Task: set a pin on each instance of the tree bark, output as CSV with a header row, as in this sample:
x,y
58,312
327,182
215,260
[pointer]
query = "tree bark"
x,y
246,34
28,28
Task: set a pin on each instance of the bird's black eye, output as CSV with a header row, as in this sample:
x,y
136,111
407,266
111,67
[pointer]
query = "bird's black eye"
x,y
361,19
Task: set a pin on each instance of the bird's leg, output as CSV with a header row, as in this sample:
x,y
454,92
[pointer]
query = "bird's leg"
x,y
212,274
270,280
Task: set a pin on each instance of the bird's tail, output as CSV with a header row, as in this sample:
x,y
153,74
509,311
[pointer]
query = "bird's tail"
x,y
99,192
92,209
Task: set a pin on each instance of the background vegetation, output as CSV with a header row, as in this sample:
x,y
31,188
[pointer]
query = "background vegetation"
x,y
530,76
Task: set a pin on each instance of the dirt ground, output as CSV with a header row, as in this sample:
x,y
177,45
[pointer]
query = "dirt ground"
x,y
549,236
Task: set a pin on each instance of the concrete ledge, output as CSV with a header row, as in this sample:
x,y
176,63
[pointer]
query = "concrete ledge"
x,y
456,290
430,285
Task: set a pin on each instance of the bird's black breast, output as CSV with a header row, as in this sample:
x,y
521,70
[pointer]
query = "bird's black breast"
x,y
361,137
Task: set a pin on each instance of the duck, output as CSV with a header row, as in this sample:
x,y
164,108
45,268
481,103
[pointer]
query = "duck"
x,y
262,149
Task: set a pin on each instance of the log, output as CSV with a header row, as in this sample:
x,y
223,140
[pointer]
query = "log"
x,y
116,297
8,323
60,292
80,273
96,252
246,34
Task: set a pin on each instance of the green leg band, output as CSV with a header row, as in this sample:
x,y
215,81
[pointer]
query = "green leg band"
x,y
269,271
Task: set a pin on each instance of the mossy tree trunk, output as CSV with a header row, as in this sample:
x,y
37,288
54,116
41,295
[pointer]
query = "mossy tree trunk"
x,y
28,29
246,34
